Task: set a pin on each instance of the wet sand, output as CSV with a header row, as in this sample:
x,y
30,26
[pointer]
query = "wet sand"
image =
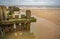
x,y
45,29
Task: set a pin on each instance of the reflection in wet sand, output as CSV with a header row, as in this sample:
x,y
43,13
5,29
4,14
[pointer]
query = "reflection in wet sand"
x,y
20,35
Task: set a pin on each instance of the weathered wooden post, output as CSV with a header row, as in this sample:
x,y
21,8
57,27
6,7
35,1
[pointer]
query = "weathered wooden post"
x,y
28,16
22,24
3,17
3,14
11,12
10,8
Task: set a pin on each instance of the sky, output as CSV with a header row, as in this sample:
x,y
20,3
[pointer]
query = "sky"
x,y
30,2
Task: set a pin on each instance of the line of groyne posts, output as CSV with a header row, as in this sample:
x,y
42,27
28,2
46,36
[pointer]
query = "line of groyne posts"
x,y
21,26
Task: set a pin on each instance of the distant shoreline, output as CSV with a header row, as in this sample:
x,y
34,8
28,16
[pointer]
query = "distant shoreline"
x,y
35,6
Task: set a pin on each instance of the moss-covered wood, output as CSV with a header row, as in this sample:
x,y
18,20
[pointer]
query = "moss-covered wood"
x,y
12,21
